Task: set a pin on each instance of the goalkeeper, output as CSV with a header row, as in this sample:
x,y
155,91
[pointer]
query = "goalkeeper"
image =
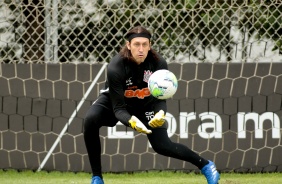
x,y
127,99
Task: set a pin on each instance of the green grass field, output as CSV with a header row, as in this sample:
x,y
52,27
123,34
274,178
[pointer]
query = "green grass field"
x,y
29,177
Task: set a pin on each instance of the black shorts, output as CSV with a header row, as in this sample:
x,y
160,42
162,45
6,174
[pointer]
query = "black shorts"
x,y
103,113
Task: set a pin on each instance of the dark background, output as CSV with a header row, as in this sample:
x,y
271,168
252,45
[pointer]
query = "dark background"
x,y
37,101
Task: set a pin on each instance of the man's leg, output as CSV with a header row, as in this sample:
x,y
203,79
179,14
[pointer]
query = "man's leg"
x,y
96,117
162,144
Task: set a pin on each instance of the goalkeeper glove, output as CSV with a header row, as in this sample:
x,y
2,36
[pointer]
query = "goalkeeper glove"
x,y
137,125
158,119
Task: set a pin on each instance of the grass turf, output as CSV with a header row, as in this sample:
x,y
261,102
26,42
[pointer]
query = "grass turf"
x,y
30,177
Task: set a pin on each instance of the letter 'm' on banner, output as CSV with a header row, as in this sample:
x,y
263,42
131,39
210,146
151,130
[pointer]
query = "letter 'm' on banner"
x,y
258,120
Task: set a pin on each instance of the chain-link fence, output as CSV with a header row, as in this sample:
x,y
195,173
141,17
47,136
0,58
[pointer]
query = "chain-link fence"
x,y
183,31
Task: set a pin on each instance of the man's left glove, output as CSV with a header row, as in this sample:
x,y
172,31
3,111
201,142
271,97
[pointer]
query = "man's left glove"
x,y
158,120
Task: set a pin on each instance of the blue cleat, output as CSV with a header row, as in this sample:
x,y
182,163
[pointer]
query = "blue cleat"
x,y
97,180
211,173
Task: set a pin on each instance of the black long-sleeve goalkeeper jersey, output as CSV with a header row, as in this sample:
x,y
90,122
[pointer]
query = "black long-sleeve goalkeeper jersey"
x,y
127,88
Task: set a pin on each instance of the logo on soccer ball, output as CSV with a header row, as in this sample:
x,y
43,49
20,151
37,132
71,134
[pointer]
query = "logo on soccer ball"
x,y
162,84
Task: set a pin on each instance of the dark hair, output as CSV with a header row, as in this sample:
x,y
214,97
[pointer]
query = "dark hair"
x,y
125,53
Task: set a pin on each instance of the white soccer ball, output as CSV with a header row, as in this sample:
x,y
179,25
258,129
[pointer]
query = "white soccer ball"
x,y
162,84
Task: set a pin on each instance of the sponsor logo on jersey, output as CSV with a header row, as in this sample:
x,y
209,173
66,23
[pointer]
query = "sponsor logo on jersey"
x,y
147,74
139,93
128,82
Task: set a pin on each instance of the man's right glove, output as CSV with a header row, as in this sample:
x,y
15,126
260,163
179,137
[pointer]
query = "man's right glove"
x,y
137,125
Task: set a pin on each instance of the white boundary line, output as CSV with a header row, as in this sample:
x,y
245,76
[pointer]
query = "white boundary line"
x,y
72,117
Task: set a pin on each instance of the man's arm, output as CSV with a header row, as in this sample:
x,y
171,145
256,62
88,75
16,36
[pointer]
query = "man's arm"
x,y
116,77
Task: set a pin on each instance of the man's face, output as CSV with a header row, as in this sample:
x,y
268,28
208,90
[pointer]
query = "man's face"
x,y
139,48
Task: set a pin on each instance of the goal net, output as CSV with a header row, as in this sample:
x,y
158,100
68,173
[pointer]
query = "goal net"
x,y
225,54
